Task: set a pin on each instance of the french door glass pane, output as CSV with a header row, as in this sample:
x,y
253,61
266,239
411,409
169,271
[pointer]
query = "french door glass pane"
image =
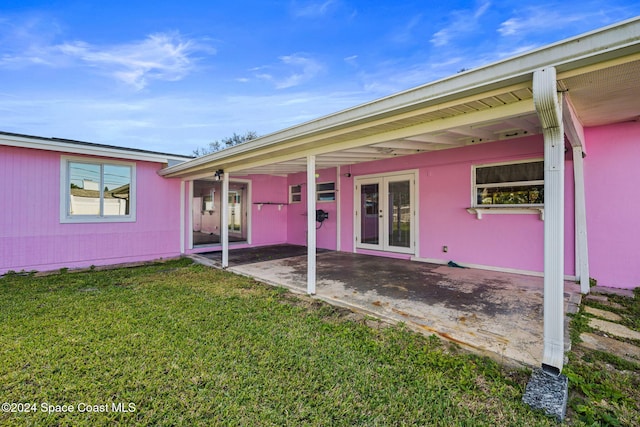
x,y
235,211
369,232
399,214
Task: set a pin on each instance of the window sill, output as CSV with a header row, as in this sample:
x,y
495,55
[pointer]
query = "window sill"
x,y
479,212
90,219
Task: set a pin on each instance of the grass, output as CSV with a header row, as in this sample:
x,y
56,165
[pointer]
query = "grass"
x,y
188,345
604,388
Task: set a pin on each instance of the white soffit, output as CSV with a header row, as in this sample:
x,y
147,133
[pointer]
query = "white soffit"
x,y
609,95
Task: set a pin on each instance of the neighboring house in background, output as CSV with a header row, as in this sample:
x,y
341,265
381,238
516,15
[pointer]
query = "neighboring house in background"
x,y
503,167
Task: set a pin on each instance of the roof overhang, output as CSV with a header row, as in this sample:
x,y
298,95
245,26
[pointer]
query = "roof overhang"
x,y
598,70
87,148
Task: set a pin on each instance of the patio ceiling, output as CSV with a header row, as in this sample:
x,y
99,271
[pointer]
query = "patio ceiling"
x,y
432,129
598,73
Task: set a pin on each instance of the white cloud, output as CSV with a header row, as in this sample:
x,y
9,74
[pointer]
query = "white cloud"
x,y
311,9
293,70
463,22
31,41
352,60
162,56
404,34
174,124
542,18
26,40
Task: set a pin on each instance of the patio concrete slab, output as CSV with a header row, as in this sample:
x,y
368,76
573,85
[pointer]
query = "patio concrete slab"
x,y
493,313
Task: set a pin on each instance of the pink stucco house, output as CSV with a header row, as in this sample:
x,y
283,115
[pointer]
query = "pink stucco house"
x,y
527,165
54,214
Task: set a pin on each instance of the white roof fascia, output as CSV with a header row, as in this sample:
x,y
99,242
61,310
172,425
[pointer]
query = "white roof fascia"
x,y
603,44
89,150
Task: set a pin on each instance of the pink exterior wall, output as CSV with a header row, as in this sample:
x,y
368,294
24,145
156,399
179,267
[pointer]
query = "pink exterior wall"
x,y
297,213
268,223
612,178
444,182
32,237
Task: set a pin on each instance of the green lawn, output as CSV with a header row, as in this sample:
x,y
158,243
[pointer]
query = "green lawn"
x,y
181,344
604,388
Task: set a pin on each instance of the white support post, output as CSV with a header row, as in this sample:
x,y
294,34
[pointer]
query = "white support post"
x,y
580,207
311,224
182,216
574,132
224,220
190,215
338,209
549,110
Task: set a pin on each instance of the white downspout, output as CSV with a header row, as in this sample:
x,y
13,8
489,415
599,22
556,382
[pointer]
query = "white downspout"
x,y
311,224
549,110
224,220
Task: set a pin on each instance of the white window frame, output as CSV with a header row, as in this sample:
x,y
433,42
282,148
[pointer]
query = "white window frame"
x,y
65,185
319,192
298,193
475,186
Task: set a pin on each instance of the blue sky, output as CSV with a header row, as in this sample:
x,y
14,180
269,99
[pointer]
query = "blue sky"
x,y
173,76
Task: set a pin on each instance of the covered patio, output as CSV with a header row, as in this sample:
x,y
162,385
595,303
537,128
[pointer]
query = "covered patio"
x,y
402,177
492,313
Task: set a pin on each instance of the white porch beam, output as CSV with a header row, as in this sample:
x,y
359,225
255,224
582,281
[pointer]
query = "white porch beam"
x,y
572,125
311,224
475,132
404,145
524,124
441,138
515,109
549,110
224,220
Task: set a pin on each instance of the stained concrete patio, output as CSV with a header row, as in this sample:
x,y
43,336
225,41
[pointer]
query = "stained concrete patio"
x,y
492,313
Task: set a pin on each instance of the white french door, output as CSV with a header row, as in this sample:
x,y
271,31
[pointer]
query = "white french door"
x,y
385,213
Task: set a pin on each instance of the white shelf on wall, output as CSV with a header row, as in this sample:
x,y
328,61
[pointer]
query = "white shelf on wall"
x,y
479,212
260,204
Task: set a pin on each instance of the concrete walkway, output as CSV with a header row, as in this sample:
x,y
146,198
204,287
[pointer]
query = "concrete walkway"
x,y
492,313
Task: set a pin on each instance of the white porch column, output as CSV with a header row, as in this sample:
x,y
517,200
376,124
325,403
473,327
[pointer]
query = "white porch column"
x,y
190,215
224,220
311,224
338,209
574,132
580,208
549,110
182,216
